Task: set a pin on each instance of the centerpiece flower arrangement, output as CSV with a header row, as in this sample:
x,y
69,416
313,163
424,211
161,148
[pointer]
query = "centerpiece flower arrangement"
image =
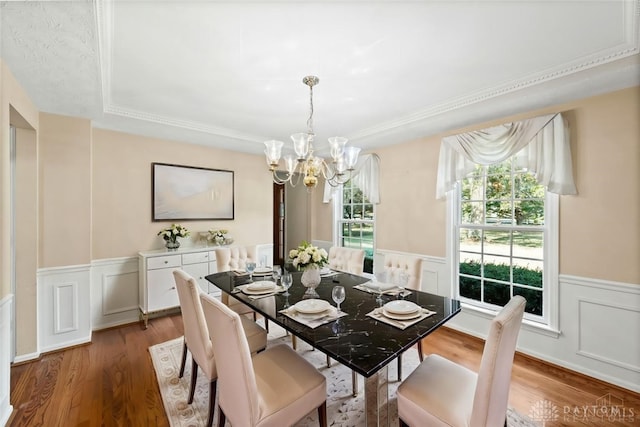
x,y
219,237
310,259
308,256
171,234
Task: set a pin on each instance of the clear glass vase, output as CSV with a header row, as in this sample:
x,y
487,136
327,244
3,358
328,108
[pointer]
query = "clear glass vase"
x,y
172,245
311,279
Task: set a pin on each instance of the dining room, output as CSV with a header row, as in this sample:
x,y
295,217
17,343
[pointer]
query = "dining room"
x,y
82,235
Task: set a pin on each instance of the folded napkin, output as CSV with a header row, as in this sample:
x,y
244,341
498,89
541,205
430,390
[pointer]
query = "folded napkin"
x,y
401,324
313,320
387,288
241,288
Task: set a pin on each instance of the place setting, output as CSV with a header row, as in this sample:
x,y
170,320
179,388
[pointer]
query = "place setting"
x,y
384,284
400,313
259,289
314,312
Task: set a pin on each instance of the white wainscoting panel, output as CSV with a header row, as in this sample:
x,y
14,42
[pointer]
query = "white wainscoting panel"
x,y
64,317
114,292
5,359
599,331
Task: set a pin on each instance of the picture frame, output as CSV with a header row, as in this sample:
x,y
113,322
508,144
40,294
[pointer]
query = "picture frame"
x,y
191,193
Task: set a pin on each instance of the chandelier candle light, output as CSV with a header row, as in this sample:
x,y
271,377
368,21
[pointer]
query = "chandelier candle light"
x,y
305,164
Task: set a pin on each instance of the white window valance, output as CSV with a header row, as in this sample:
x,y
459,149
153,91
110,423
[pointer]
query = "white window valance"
x,y
366,176
541,144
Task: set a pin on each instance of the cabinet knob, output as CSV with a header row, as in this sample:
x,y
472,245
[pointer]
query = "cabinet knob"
x,y
173,287
166,262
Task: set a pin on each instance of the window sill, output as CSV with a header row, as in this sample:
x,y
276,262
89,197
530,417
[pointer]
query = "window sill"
x,y
529,325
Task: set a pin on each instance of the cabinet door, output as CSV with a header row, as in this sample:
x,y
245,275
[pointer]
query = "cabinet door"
x,y
161,289
199,272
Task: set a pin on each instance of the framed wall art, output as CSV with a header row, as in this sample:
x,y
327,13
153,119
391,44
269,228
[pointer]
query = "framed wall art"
x,y
191,193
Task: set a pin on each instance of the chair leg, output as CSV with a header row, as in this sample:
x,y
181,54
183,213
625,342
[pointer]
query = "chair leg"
x,y
184,359
420,353
194,378
400,367
322,414
212,402
222,418
266,325
294,342
328,362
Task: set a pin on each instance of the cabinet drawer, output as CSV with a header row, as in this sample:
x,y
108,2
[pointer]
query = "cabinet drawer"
x,y
164,262
195,258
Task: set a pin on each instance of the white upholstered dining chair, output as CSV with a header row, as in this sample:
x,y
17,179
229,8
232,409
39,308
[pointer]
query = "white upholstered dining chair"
x,y
442,393
197,339
275,388
408,270
235,258
348,260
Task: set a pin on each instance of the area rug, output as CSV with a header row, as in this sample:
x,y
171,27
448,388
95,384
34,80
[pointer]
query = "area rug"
x,y
343,410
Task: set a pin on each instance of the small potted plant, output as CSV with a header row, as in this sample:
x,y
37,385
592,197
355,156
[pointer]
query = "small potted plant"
x,y
171,234
219,237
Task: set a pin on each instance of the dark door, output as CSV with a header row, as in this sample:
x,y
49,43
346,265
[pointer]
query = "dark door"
x,y
278,224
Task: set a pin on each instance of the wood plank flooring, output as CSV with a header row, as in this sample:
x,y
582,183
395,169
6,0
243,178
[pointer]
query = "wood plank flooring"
x,y
111,382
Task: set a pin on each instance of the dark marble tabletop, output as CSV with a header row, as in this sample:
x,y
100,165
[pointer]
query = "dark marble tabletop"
x,y
356,340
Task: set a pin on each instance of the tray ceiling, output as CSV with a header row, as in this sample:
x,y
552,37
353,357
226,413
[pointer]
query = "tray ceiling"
x,y
229,74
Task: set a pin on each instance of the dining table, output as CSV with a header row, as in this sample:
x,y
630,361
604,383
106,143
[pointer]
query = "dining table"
x,y
364,343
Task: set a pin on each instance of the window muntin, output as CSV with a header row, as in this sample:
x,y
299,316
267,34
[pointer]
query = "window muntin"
x,y
357,223
501,238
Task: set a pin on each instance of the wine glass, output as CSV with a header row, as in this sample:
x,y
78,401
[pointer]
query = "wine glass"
x,y
287,281
251,267
276,273
338,296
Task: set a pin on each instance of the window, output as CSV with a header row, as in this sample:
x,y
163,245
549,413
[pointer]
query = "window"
x,y
356,220
505,230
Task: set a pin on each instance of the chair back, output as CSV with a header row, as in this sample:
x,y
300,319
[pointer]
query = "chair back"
x,y
396,265
235,258
196,332
494,377
346,259
238,392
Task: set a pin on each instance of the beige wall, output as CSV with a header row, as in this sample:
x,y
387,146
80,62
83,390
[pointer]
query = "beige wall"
x,y
599,228
65,191
121,193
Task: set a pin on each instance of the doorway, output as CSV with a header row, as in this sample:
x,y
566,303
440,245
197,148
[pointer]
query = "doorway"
x,y
279,224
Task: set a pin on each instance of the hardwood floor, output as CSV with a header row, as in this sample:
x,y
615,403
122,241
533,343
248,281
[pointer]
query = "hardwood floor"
x,y
111,382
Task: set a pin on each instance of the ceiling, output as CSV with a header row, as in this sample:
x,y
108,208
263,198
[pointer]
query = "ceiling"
x,y
229,73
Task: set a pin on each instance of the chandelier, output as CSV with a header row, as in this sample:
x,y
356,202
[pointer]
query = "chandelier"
x,y
305,164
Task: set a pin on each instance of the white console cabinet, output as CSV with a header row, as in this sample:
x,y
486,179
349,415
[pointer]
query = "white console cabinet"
x,y
157,292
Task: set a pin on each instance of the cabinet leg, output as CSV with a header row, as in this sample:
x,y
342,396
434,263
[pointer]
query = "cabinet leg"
x,y
144,318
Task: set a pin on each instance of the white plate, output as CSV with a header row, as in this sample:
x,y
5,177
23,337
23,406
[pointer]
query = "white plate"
x,y
379,286
325,271
401,307
263,270
312,306
259,292
397,316
261,286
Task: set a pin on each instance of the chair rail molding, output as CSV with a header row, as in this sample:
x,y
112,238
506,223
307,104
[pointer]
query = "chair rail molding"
x,y
5,359
64,317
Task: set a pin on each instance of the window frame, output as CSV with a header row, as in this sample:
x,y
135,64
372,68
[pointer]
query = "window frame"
x,y
550,294
338,208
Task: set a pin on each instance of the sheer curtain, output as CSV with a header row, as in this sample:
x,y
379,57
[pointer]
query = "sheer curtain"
x,y
541,144
366,176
